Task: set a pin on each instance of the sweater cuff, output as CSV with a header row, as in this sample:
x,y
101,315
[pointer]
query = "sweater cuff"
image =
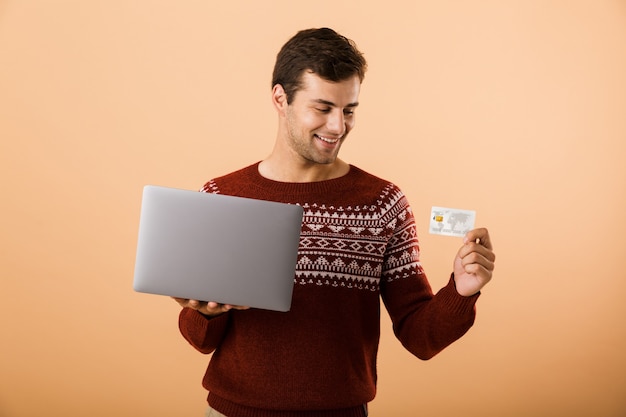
x,y
201,321
201,331
458,303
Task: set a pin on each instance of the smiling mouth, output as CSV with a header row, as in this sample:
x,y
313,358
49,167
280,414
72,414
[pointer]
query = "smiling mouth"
x,y
328,140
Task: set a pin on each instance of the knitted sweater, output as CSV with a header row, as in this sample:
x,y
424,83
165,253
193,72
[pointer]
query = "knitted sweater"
x,y
358,245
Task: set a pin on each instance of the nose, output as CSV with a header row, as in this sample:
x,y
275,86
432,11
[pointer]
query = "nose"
x,y
336,123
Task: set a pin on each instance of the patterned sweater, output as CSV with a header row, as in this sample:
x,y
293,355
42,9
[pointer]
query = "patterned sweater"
x,y
358,245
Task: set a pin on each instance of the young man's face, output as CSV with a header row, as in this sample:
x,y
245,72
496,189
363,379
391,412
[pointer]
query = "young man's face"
x,y
320,117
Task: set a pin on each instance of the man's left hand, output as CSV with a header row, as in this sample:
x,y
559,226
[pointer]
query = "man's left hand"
x,y
474,262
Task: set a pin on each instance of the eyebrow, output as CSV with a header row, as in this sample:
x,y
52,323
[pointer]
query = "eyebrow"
x,y
331,104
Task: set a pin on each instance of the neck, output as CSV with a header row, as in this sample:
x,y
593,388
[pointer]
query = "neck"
x,y
274,169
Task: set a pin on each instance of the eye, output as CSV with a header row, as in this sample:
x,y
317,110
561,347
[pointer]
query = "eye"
x,y
323,110
348,112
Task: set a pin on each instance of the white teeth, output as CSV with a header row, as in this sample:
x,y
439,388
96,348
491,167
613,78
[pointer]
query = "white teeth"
x,y
327,140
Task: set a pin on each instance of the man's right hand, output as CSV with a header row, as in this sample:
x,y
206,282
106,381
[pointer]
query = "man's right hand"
x,y
210,308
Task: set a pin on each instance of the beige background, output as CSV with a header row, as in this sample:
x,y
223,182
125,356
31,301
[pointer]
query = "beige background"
x,y
513,108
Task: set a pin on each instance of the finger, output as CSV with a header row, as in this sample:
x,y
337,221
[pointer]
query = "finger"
x,y
214,308
475,258
473,248
208,308
234,307
479,271
480,236
184,302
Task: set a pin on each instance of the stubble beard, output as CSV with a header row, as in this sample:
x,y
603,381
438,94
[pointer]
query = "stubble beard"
x,y
307,150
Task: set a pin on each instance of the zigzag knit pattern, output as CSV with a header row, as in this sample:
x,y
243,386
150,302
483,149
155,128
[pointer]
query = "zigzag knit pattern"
x,y
356,246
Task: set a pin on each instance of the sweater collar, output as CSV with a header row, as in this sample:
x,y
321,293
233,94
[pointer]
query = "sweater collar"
x,y
298,188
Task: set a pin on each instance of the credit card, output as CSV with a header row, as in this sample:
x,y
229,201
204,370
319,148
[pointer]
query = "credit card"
x,y
451,222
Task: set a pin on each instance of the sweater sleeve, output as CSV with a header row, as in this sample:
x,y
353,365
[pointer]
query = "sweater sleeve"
x,y
424,323
202,332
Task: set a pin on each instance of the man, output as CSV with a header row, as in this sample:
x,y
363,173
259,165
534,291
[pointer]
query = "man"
x,y
358,245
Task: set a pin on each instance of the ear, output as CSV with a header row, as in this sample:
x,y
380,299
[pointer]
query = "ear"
x,y
279,98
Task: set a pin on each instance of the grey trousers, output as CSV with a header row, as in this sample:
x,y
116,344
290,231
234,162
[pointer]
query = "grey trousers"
x,y
212,413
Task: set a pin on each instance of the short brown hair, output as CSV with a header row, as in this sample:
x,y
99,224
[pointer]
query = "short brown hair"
x,y
321,51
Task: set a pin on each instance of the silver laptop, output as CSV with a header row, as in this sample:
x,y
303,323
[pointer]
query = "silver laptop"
x,y
213,247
